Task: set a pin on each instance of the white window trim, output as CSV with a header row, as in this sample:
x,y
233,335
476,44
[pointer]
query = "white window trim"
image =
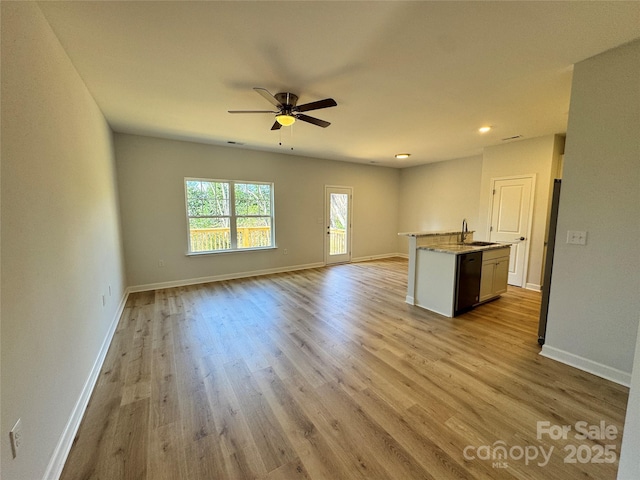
x,y
233,232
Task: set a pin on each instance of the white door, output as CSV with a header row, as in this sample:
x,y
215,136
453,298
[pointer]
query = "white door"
x,y
511,210
337,243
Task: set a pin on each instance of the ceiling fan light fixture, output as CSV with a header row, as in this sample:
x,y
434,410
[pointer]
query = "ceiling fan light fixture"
x,y
285,120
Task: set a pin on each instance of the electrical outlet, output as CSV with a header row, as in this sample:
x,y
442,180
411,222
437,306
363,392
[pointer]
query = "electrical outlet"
x,y
161,263
285,251
576,237
15,435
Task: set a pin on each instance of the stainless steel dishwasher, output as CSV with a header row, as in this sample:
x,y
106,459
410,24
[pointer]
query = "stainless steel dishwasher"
x,y
468,270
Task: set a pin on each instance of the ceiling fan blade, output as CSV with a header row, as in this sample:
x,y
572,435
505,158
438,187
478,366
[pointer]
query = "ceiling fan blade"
x,y
326,103
251,111
276,126
270,98
315,121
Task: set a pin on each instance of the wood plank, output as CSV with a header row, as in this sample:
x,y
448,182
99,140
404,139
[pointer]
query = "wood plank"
x,y
360,427
349,451
275,450
166,455
312,447
130,442
232,431
164,389
291,471
425,450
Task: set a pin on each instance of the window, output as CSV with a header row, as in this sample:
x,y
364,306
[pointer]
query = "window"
x,y
225,215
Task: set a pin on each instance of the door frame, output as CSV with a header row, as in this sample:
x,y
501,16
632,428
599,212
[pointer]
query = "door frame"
x,y
327,188
532,196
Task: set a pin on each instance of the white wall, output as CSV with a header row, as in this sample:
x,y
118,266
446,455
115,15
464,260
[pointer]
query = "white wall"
x,y
437,196
151,175
60,238
595,289
539,156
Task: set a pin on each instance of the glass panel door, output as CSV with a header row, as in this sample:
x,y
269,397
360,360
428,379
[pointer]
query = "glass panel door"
x,y
338,217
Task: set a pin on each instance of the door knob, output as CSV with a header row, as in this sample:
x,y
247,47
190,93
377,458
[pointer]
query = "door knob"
x,y
521,238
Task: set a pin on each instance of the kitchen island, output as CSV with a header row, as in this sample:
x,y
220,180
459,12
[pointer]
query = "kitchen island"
x,y
439,276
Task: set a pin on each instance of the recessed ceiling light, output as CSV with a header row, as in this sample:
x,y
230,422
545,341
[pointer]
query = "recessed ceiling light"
x,y
402,155
484,129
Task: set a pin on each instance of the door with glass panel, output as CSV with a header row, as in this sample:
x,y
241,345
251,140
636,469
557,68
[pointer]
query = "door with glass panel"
x,y
338,222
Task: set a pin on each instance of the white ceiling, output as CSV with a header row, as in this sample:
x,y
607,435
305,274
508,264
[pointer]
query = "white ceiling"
x,y
418,77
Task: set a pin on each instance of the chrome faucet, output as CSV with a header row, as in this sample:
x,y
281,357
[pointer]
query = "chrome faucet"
x,y
465,230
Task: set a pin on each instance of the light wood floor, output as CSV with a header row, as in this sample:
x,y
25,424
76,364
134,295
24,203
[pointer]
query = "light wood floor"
x,y
328,374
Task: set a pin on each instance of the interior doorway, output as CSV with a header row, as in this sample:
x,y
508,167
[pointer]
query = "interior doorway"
x,y
511,219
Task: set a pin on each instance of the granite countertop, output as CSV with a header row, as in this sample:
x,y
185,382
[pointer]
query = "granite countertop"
x,y
457,248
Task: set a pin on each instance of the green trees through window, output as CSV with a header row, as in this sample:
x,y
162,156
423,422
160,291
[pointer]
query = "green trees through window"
x,y
228,215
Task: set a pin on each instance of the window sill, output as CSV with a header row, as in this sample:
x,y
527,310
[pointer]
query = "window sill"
x,y
237,250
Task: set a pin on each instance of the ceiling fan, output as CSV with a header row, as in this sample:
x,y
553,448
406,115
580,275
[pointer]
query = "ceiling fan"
x,y
288,110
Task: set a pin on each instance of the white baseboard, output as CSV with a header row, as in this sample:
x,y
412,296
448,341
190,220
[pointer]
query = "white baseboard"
x,y
378,257
533,286
218,278
589,366
61,452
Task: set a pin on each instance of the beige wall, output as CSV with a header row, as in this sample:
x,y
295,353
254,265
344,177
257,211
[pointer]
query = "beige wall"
x,y
539,156
595,288
437,196
60,238
151,173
